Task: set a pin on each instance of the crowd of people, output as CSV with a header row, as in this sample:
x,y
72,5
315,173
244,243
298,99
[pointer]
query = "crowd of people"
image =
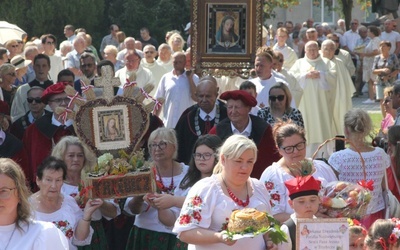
x,y
212,151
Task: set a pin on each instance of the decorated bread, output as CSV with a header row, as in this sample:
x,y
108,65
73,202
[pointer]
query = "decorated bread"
x,y
247,220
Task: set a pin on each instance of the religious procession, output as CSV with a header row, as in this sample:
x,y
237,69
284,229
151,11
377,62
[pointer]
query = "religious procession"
x,y
234,131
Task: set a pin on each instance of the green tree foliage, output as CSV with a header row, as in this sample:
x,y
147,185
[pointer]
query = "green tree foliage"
x,y
38,17
159,16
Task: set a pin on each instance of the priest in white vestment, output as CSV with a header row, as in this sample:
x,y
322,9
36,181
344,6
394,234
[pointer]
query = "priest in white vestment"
x,y
344,86
317,77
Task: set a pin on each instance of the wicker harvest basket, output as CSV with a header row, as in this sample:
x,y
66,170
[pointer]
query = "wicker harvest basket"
x,y
344,199
121,186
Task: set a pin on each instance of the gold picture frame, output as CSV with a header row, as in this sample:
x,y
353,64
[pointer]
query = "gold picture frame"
x,y
236,51
111,127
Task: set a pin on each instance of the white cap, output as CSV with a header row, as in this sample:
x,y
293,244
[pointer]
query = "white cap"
x,y
188,26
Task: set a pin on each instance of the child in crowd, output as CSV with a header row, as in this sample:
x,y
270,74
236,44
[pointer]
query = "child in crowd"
x,y
304,200
383,235
357,235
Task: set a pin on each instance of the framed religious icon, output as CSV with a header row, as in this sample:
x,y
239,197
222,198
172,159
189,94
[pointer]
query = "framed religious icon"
x,y
110,127
225,34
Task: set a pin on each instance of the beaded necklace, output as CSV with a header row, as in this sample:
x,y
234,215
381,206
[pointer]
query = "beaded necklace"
x,y
196,120
160,183
236,199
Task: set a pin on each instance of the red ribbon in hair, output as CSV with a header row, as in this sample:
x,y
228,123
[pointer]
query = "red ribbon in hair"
x,y
383,243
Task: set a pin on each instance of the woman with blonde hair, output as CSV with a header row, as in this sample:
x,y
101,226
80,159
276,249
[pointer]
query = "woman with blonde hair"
x,y
17,229
8,75
212,199
78,158
13,47
279,99
347,162
176,43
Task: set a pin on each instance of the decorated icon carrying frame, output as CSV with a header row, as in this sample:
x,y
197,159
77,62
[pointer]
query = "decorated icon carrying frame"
x,y
206,18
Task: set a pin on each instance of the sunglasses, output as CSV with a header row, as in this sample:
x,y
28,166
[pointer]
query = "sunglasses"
x,y
36,99
147,52
273,98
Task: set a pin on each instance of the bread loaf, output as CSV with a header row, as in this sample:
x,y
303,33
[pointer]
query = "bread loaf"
x,y
247,220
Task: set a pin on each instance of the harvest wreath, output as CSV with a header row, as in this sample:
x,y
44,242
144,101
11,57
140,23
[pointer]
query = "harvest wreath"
x,y
113,128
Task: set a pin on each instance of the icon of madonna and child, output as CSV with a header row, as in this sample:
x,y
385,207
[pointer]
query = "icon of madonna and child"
x,y
226,40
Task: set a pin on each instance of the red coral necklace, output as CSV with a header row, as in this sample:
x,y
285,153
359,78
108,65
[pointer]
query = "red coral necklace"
x,y
160,183
236,199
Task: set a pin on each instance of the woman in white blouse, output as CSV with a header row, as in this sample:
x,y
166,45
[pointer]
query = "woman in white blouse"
x,y
52,206
291,142
17,229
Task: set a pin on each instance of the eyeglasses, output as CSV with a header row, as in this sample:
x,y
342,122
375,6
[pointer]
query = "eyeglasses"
x,y
273,98
60,100
6,192
149,52
14,46
50,43
290,149
36,99
12,74
205,156
162,145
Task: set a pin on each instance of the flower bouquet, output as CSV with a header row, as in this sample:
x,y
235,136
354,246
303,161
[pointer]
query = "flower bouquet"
x,y
344,199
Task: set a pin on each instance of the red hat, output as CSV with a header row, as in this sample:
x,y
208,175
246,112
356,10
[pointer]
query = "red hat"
x,y
242,95
302,186
54,89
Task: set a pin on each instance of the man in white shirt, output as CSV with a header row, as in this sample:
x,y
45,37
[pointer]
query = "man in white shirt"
x,y
265,78
281,46
132,66
49,43
178,87
350,37
149,62
392,36
129,43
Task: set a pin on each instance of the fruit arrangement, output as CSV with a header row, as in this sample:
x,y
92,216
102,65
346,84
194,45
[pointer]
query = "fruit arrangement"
x,y
344,199
108,165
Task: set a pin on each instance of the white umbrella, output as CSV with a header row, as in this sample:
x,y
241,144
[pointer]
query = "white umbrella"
x,y
10,31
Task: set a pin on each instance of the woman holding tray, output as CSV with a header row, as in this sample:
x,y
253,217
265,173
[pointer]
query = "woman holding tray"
x,y
291,142
347,163
77,157
148,230
51,205
17,229
211,200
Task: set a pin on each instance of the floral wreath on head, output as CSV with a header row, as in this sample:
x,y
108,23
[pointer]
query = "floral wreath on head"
x,y
395,235
354,222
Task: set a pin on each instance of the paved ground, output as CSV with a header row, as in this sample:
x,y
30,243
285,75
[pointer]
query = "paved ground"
x,y
357,103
